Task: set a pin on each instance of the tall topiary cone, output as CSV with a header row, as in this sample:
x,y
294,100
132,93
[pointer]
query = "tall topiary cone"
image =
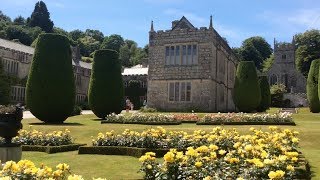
x,y
247,94
312,86
50,92
106,92
265,94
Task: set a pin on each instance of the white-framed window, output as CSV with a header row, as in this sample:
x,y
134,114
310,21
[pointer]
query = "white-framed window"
x,y
179,91
181,54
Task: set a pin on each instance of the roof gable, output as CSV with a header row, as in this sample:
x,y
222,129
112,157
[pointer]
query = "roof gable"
x,y
183,24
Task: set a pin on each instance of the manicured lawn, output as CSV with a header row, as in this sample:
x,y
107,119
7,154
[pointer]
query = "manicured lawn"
x,y
122,167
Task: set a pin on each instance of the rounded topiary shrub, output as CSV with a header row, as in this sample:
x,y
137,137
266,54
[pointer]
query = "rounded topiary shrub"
x,y
247,94
312,86
50,92
106,93
265,101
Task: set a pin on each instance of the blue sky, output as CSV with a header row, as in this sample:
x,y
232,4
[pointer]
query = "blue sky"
x,y
235,20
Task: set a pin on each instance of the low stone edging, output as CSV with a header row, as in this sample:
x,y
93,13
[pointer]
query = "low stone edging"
x,y
120,150
52,149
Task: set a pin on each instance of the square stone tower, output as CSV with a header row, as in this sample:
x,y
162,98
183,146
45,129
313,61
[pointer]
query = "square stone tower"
x,y
283,69
190,69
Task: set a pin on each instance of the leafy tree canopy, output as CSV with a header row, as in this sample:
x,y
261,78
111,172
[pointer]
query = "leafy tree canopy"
x,y
41,17
113,42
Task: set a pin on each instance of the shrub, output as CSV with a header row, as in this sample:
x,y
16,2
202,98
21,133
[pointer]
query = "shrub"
x,y
50,91
265,94
247,94
312,86
145,109
106,91
76,110
277,91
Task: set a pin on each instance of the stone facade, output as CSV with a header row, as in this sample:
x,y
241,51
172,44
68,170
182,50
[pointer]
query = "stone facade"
x,y
284,69
190,69
17,59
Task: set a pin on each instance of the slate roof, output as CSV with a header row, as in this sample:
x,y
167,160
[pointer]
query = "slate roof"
x,y
135,70
16,46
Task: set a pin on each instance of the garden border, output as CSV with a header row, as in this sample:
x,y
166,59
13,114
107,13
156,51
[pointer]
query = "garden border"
x,y
248,123
121,150
142,123
52,149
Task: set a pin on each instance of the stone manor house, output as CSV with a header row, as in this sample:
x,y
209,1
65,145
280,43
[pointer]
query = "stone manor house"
x,y
190,69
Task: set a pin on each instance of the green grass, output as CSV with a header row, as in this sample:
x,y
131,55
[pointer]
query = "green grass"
x,y
123,167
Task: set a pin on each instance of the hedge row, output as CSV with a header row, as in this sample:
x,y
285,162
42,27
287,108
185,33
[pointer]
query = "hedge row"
x,y
119,150
52,149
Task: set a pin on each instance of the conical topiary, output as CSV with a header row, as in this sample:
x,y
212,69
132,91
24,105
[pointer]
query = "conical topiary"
x,y
312,86
265,94
50,92
247,94
106,92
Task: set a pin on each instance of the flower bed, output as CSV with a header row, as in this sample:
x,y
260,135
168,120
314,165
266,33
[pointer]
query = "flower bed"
x,y
140,118
25,170
247,119
209,119
53,142
224,154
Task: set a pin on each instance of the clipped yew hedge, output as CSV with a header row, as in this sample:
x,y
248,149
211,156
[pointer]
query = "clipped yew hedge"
x,y
50,90
247,94
106,92
265,94
52,149
312,86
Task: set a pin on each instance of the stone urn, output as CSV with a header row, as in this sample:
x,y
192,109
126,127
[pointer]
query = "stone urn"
x,y
10,124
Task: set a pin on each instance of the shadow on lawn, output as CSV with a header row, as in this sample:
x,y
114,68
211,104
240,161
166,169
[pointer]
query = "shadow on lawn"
x,y
52,124
97,119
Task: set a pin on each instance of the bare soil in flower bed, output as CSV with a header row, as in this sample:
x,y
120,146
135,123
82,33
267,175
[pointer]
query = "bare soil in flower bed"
x,y
143,123
120,150
52,149
247,123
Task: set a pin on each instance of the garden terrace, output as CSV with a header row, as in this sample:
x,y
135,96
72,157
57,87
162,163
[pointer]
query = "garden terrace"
x,y
84,126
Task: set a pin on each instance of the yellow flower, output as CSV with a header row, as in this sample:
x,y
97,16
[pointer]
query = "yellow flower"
x,y
169,157
248,147
198,164
290,168
75,177
207,178
240,178
149,166
63,166
222,152
276,175
213,147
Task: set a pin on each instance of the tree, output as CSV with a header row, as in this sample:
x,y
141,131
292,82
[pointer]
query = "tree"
x,y
5,88
41,17
106,92
113,42
20,21
312,86
255,49
247,93
4,17
19,33
88,45
51,95
76,34
265,94
308,49
267,64
125,56
95,34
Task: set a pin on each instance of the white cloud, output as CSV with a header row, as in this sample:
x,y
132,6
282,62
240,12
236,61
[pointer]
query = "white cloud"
x,y
295,20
